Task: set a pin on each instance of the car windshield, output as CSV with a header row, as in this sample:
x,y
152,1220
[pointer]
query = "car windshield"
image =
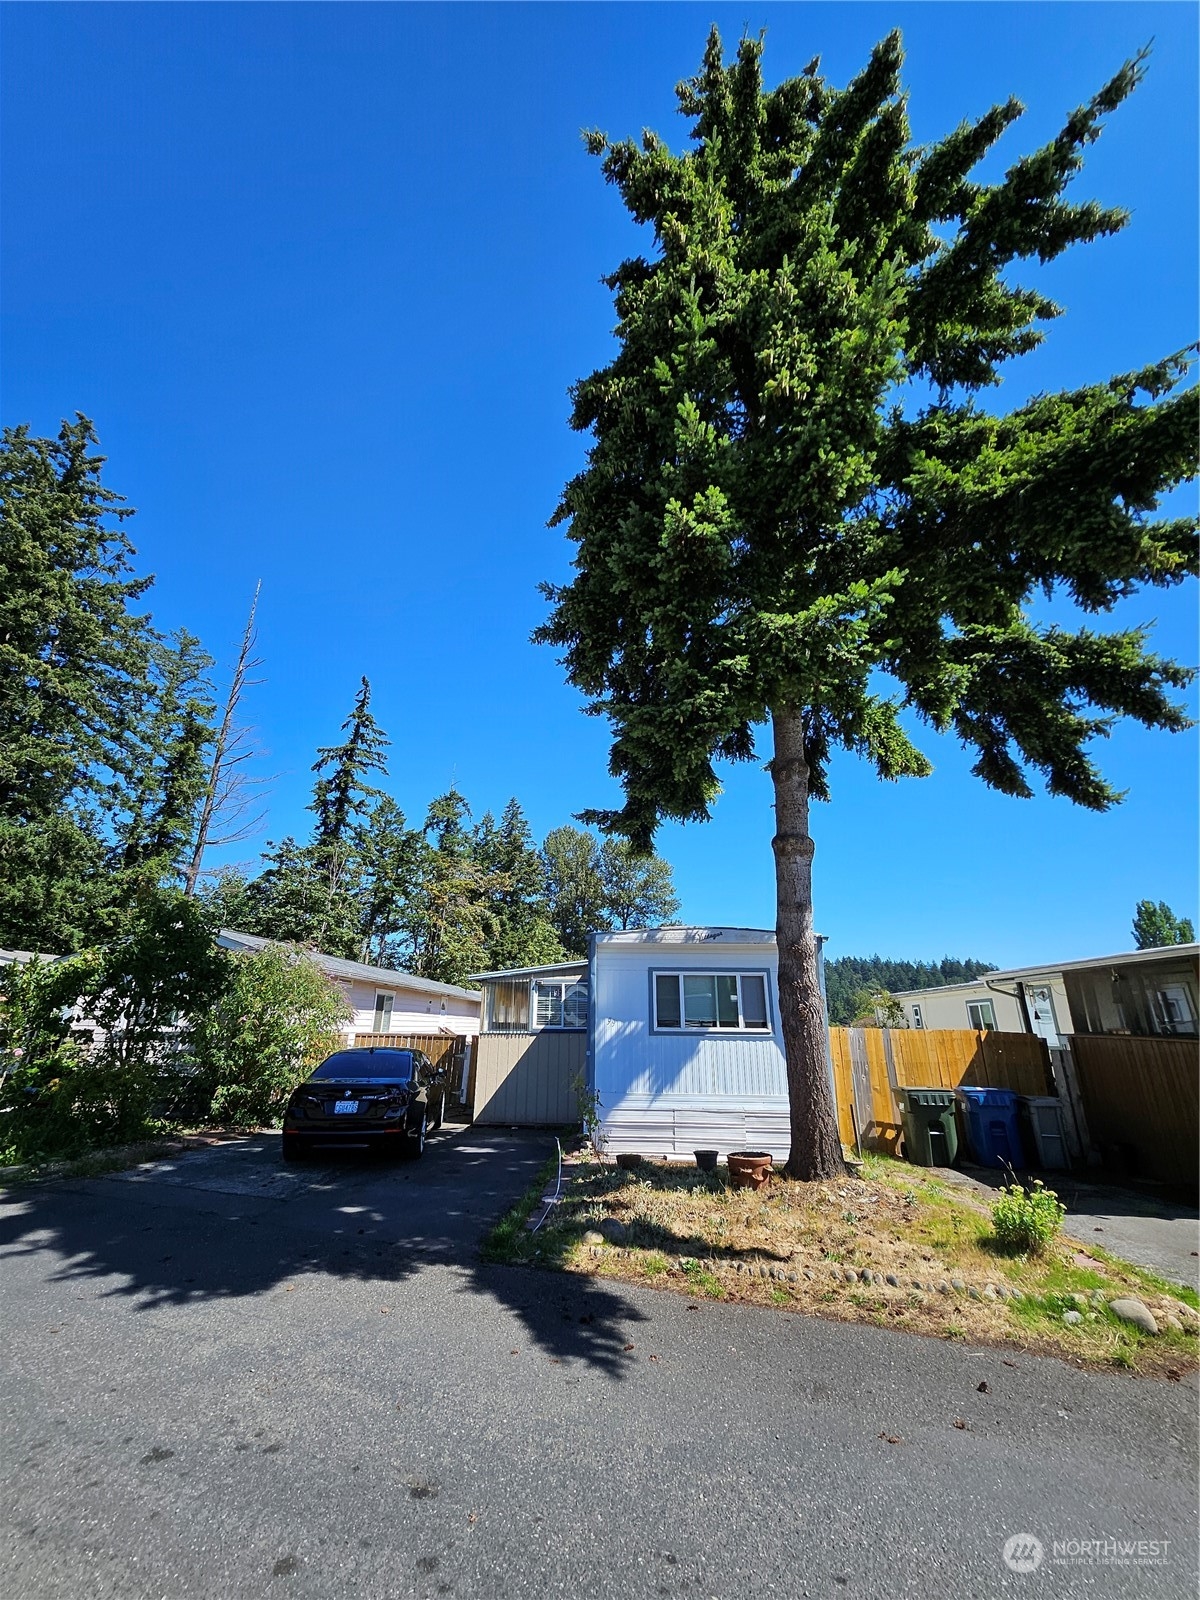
x,y
367,1064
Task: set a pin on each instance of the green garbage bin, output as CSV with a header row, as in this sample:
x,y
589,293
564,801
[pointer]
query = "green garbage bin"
x,y
930,1129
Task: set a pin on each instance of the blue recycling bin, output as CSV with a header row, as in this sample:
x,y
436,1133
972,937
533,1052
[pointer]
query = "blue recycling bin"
x,y
993,1126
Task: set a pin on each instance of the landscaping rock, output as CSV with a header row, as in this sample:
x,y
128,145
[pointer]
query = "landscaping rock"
x,y
1172,1321
1134,1312
1186,1313
809,1274
958,1285
593,1237
974,1293
890,1277
1079,1299
1072,1317
943,1287
849,1275
989,1291
613,1230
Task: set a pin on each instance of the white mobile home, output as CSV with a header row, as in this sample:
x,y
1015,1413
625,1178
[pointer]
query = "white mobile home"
x,y
674,1030
686,1051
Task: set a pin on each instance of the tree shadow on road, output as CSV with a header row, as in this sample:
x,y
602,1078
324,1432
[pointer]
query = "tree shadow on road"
x,y
232,1223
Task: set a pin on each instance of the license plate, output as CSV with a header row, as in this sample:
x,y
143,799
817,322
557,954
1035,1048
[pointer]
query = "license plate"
x,y
343,1107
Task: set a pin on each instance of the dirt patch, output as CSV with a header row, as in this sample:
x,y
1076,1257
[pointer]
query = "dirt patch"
x,y
898,1248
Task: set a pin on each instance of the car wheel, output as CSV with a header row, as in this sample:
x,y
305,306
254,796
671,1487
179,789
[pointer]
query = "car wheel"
x,y
441,1115
416,1141
292,1150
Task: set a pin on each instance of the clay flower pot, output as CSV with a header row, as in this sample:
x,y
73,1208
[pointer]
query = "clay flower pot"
x,y
706,1160
749,1169
628,1159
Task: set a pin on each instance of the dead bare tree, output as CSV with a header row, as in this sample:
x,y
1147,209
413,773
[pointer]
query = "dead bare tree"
x,y
227,812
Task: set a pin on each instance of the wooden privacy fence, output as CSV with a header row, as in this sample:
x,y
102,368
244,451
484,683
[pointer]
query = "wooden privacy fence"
x,y
443,1049
870,1064
1142,1101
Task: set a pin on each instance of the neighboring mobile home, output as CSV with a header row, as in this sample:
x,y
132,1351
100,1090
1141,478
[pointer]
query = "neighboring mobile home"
x,y
1147,993
384,1001
674,1030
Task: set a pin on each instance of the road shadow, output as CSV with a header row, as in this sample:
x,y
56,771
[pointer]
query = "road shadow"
x,y
233,1222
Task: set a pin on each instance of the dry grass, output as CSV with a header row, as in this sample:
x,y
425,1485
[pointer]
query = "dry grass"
x,y
791,1245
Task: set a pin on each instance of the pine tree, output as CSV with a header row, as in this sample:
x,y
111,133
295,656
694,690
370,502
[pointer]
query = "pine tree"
x,y
74,668
169,762
345,795
393,859
792,494
1157,925
452,922
515,876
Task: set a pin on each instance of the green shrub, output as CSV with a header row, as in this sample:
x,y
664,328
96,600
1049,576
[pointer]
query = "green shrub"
x,y
89,1045
279,1016
1025,1220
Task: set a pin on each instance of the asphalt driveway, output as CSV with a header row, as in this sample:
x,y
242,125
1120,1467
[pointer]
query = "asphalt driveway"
x,y
226,1379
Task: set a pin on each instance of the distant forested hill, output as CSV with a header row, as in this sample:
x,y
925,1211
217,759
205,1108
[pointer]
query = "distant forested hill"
x,y
848,976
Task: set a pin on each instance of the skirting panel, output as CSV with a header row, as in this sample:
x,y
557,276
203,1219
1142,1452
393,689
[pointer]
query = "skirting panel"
x,y
676,1131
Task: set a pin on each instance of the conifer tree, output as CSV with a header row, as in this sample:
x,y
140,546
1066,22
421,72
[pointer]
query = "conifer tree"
x,y
74,671
345,795
794,497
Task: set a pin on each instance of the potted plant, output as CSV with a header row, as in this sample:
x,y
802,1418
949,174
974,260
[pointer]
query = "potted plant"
x,y
749,1169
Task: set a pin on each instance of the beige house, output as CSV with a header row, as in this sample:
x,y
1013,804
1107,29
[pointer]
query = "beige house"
x,y
1144,993
383,1000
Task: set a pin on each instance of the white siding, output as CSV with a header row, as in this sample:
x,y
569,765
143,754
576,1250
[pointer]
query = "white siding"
x,y
668,1094
412,1010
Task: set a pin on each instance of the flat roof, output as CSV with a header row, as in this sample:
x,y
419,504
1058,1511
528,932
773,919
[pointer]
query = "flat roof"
x,y
1123,958
553,968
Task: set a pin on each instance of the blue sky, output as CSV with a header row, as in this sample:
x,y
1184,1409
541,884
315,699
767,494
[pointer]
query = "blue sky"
x,y
322,274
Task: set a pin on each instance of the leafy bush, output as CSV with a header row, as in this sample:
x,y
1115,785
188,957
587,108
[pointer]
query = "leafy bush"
x,y
87,1045
277,1018
1025,1220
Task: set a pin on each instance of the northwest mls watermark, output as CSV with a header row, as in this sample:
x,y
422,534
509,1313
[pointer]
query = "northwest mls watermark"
x,y
1025,1552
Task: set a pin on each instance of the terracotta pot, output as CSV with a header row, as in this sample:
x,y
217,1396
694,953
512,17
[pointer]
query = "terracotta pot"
x,y
707,1160
629,1159
749,1169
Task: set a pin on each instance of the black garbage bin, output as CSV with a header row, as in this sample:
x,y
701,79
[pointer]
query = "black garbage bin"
x,y
930,1130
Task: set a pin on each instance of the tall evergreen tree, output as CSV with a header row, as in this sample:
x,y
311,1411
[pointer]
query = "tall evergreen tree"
x,y
1156,925
394,860
74,663
169,766
452,921
792,492
345,795
515,876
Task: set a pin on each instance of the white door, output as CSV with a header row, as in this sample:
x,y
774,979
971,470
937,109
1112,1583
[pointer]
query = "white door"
x,y
1040,1003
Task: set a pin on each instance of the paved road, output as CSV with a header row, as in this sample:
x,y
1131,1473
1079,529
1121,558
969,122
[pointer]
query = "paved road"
x,y
224,1379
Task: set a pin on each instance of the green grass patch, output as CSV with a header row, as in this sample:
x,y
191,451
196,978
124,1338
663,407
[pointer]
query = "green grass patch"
x,y
510,1241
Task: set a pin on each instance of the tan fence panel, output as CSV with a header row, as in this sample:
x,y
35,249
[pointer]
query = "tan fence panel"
x,y
525,1079
1143,1096
437,1046
935,1058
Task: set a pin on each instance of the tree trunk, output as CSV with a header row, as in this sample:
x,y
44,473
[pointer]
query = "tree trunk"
x,y
816,1148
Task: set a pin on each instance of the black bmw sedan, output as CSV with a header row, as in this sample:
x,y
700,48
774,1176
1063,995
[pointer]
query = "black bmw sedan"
x,y
369,1099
